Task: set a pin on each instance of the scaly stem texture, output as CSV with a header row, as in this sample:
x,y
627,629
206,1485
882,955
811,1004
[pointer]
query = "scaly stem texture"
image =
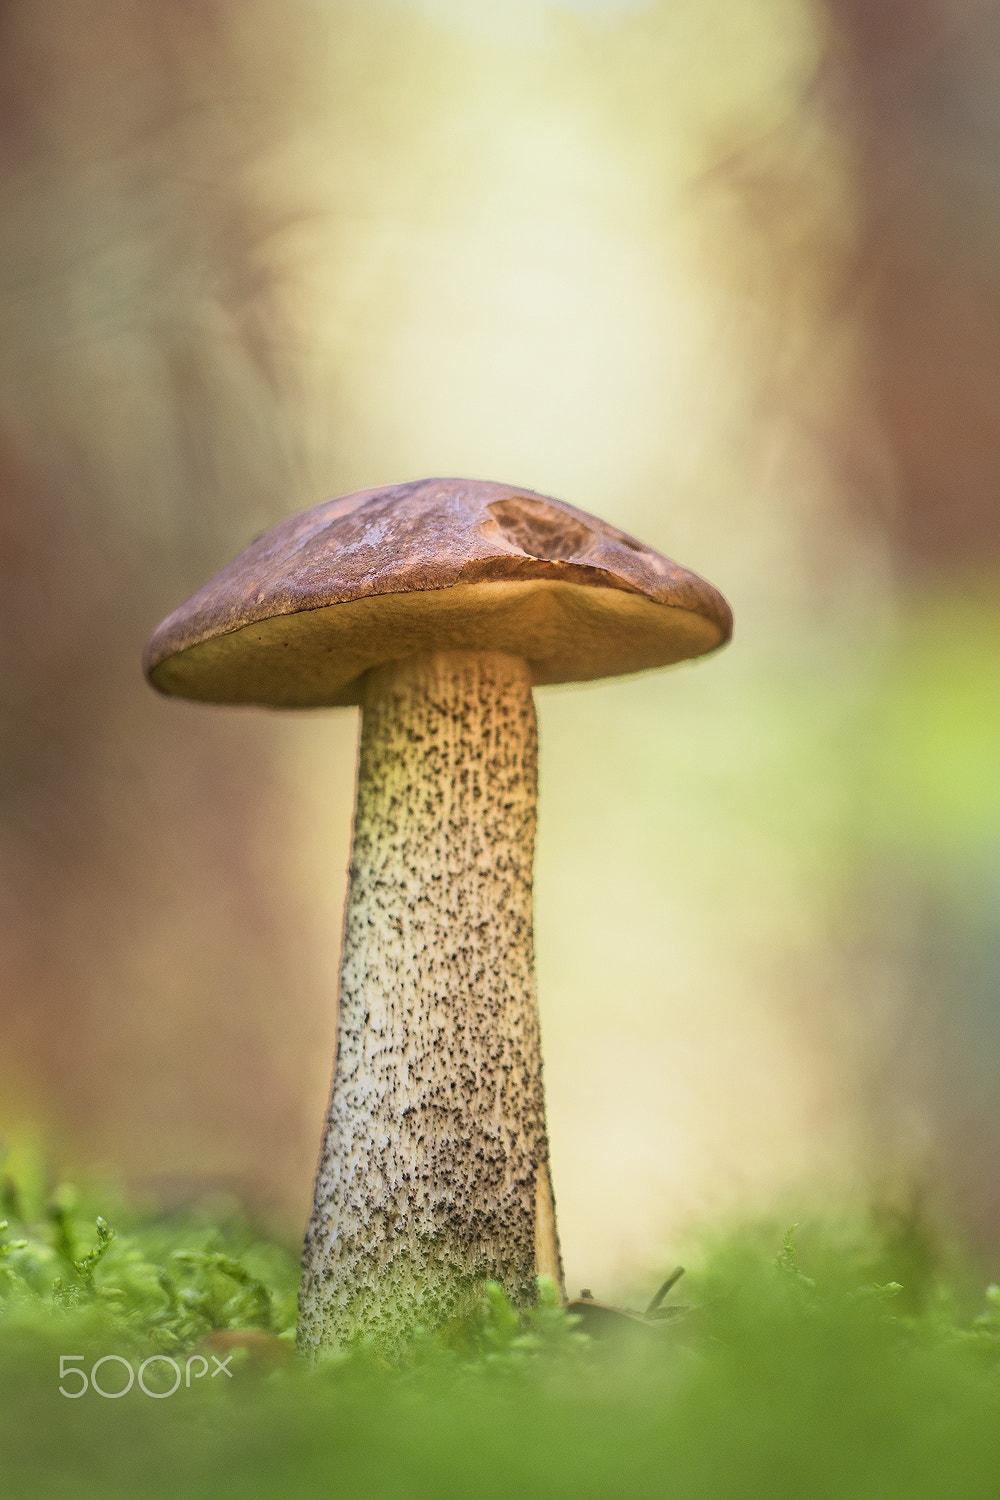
x,y
434,1171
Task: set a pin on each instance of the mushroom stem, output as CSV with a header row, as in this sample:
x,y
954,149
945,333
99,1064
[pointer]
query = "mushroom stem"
x,y
434,1172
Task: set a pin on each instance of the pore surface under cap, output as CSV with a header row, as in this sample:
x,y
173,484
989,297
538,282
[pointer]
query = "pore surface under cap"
x,y
439,564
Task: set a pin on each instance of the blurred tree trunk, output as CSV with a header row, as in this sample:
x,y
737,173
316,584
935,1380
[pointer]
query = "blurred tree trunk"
x,y
921,82
156,1009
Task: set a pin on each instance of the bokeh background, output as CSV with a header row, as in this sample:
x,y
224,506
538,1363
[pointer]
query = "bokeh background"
x,y
725,274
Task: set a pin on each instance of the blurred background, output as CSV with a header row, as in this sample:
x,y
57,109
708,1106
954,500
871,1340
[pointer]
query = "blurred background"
x,y
727,275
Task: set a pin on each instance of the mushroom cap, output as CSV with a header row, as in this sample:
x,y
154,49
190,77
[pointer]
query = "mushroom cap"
x,y
301,616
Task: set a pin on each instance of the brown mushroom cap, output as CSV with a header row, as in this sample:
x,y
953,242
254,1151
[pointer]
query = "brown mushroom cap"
x,y
437,565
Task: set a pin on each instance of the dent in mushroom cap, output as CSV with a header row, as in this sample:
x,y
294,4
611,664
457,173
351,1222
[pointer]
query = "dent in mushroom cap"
x,y
439,564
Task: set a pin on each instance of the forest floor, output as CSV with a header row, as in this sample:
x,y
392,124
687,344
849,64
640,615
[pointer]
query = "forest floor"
x,y
152,1354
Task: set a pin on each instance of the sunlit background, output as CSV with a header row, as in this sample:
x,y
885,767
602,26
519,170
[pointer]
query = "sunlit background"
x,y
725,274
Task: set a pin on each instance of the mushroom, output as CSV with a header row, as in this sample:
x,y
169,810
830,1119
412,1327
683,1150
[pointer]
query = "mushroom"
x,y
436,606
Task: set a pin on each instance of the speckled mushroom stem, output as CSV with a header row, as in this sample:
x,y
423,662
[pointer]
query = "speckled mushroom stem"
x,y
434,1173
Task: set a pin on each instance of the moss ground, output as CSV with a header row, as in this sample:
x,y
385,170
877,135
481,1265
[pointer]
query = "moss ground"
x,y
834,1362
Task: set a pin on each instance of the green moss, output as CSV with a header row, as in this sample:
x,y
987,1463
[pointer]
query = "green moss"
x,y
803,1366
133,1283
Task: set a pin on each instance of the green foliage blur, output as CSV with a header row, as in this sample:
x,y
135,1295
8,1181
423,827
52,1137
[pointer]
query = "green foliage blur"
x,y
797,1362
116,1278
